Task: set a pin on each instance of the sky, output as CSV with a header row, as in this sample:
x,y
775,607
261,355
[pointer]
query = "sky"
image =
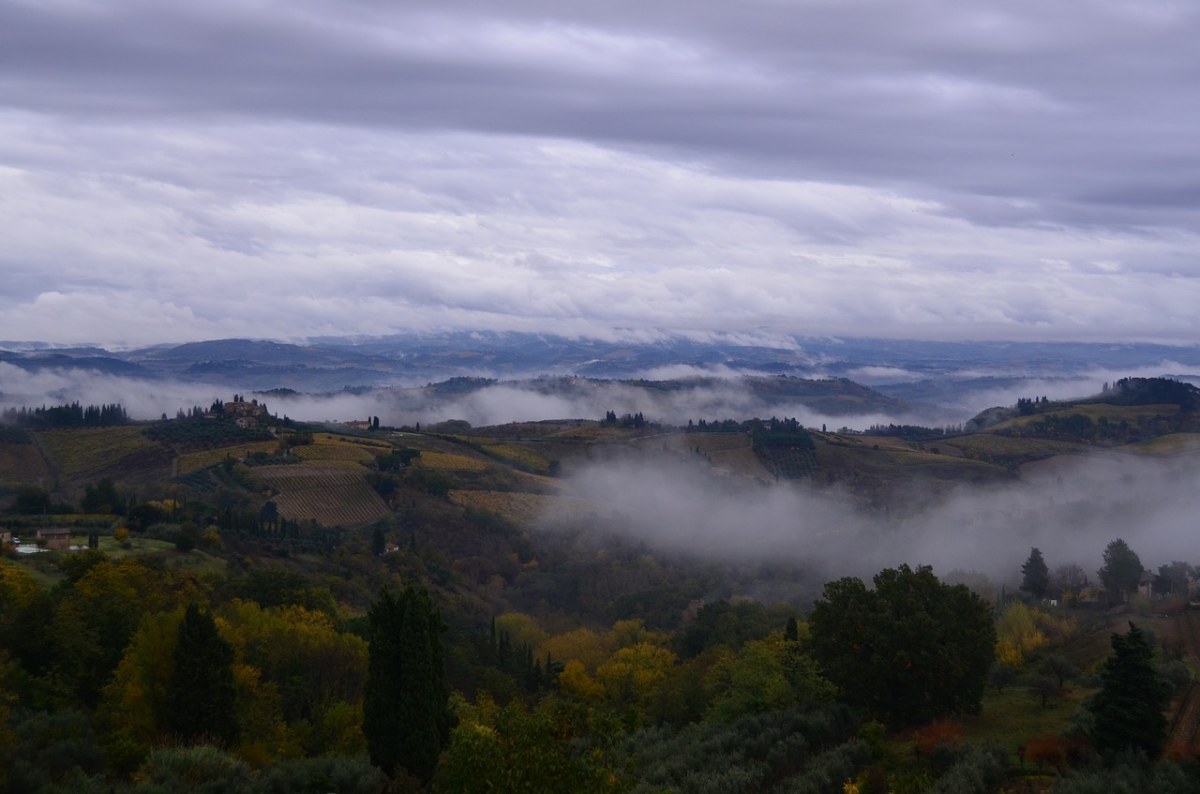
x,y
927,169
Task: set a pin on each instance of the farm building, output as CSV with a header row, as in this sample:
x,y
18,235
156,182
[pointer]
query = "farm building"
x,y
55,538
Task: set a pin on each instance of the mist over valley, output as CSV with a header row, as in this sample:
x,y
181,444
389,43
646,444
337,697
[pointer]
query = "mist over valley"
x,y
897,473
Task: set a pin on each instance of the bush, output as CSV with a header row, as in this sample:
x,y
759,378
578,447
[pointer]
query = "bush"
x,y
50,748
344,775
938,734
1177,674
201,769
978,771
829,770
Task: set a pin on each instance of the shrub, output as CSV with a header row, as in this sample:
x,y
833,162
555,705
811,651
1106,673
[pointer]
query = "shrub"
x,y
978,771
201,769
345,775
937,734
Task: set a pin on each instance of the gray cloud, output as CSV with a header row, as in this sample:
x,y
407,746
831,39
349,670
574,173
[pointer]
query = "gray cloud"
x,y
928,169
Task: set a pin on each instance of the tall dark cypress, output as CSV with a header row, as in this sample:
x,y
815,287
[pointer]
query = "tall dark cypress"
x,y
406,714
1035,576
201,695
1129,707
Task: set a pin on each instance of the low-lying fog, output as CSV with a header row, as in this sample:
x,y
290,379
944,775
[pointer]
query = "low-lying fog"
x,y
1070,508
722,396
1070,513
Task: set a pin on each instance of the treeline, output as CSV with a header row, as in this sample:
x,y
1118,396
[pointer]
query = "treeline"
x,y
1150,391
912,432
66,416
133,675
636,421
765,431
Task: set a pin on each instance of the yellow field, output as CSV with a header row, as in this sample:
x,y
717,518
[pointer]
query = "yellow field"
x,y
75,453
327,447
451,462
520,455
194,461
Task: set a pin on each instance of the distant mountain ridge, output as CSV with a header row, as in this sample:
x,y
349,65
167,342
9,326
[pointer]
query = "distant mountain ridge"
x,y
912,372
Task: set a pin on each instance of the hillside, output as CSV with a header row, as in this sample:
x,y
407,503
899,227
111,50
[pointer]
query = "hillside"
x,y
636,575
532,457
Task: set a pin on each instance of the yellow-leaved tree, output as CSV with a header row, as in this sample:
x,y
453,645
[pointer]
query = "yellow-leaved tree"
x,y
1017,635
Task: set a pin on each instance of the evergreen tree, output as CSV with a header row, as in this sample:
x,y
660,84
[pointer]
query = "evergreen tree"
x,y
201,694
1035,576
406,716
1128,709
1122,569
909,651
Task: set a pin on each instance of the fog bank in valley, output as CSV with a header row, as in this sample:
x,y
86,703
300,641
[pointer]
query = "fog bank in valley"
x,y
1069,508
711,393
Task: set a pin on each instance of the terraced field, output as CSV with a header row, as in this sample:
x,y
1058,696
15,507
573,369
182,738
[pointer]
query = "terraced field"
x,y
331,495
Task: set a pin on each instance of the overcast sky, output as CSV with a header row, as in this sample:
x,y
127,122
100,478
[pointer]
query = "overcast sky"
x,y
1025,169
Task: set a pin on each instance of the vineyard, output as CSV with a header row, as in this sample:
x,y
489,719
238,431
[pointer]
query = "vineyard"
x,y
194,461
513,454
787,463
522,508
85,452
787,454
330,495
20,463
329,448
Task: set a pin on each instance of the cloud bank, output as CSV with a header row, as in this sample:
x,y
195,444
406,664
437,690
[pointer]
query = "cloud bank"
x,y
284,170
1070,510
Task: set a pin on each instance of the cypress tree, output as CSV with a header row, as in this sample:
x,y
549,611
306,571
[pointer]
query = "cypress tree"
x,y
1035,575
201,695
406,715
1129,706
